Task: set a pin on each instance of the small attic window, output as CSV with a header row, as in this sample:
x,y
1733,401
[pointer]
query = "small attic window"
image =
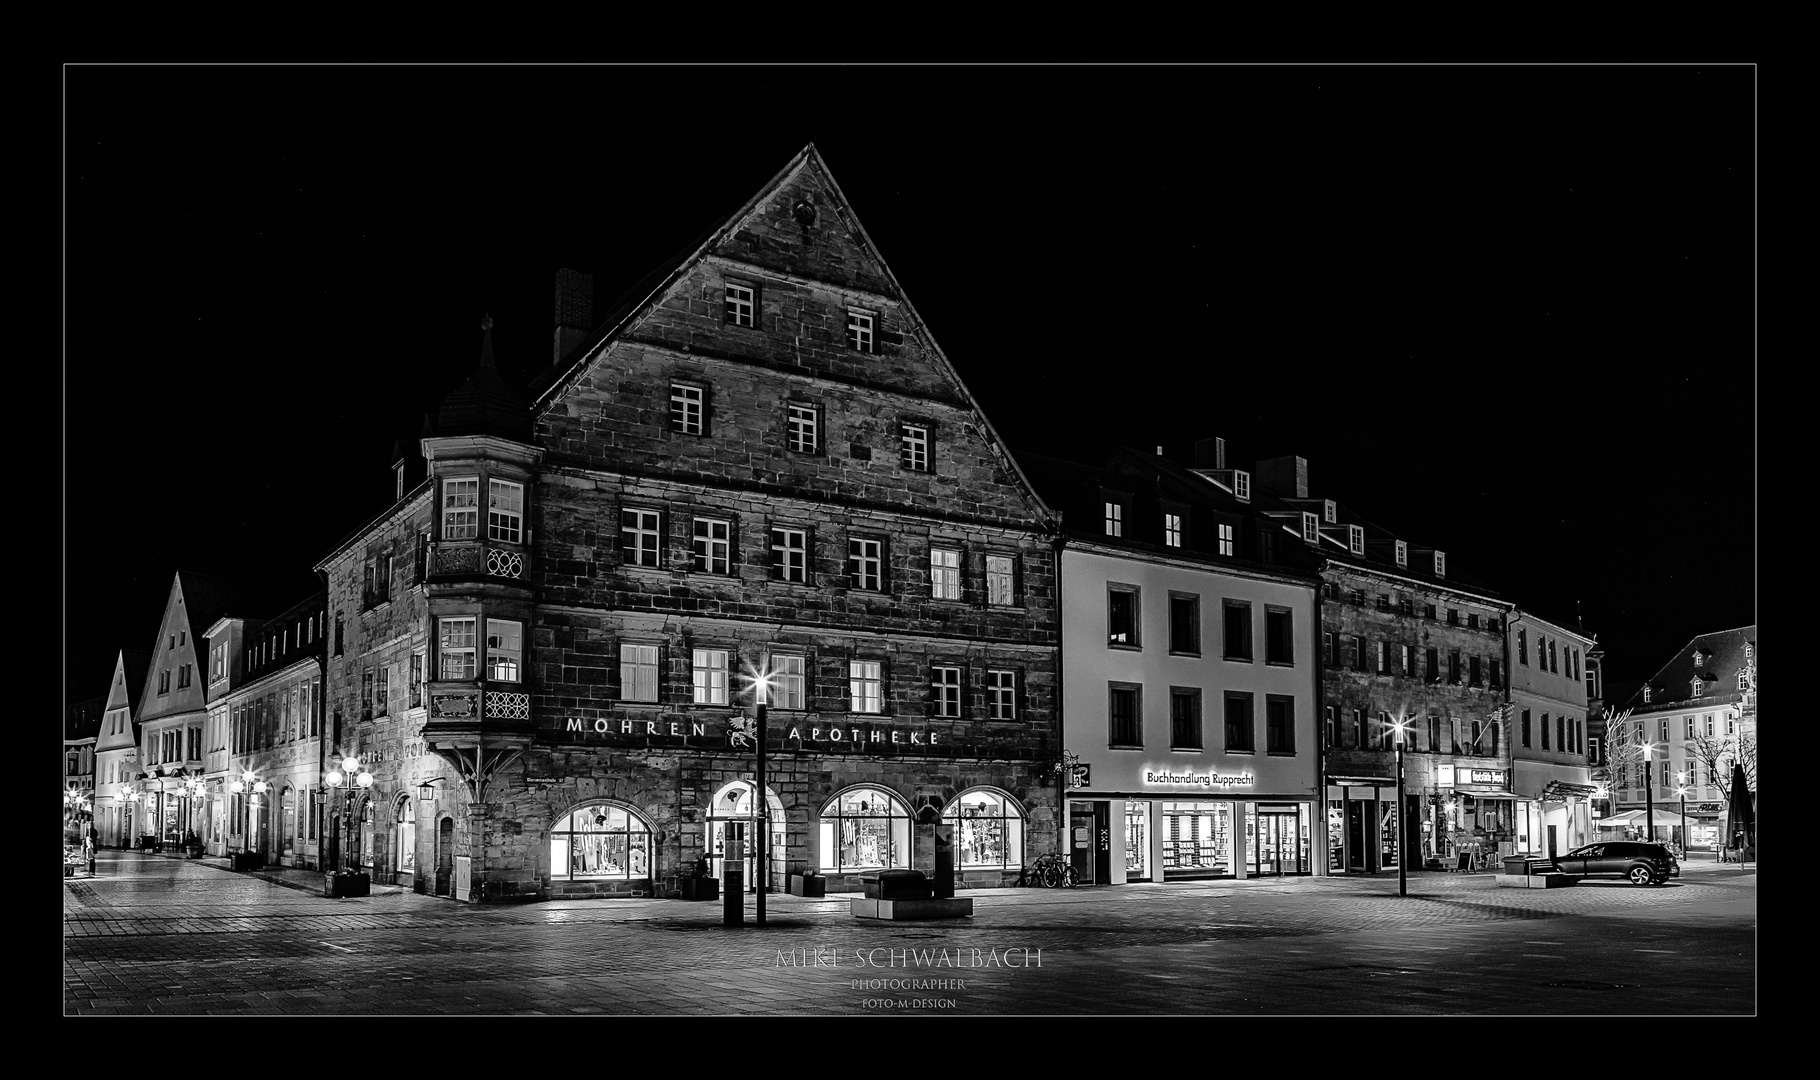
x,y
398,481
1402,553
1355,538
1311,528
1333,512
1646,695
1440,564
1698,656
1743,681
1241,485
1696,687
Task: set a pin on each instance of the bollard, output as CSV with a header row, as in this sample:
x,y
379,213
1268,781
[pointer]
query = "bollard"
x,y
733,904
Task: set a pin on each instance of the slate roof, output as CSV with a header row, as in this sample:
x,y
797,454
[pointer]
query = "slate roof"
x,y
486,404
1721,658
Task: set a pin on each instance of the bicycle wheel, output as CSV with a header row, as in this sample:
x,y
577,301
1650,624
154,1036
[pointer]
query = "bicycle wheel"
x,y
1052,878
1069,880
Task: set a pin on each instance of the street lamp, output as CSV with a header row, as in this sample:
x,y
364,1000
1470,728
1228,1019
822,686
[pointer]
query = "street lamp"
x,y
192,790
351,774
1649,791
75,804
761,692
249,781
1400,727
1681,790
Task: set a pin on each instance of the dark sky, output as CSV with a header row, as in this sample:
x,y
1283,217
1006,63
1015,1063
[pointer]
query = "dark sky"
x,y
1505,310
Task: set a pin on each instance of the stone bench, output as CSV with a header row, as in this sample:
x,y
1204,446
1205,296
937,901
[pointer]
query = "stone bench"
x,y
905,895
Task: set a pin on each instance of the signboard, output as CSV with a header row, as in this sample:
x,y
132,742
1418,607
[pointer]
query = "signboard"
x,y
735,732
1494,777
464,877
1190,778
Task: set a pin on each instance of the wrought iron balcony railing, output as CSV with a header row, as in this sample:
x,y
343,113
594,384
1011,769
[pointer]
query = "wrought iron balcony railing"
x,y
451,559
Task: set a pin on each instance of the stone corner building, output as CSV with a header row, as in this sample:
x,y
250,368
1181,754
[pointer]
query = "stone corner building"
x,y
543,652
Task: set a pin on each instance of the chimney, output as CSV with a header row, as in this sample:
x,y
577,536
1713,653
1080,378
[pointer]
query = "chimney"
x,y
1210,454
1284,476
574,310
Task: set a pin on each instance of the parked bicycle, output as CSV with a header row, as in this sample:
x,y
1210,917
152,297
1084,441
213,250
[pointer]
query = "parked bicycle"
x,y
1049,872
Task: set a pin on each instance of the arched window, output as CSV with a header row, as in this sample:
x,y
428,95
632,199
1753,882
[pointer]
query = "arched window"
x,y
601,840
988,830
865,828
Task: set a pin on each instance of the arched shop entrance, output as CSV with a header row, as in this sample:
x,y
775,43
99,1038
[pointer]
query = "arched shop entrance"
x,y
733,804
404,842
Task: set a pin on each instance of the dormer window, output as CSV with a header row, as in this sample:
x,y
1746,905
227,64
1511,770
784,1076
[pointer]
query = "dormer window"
x,y
1355,538
1402,553
1172,530
1332,512
398,481
1646,695
1115,519
1241,485
1311,528
1698,656
1743,681
1440,564
1696,688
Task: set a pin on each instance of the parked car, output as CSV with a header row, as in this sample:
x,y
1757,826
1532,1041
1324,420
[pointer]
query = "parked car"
x,y
1636,862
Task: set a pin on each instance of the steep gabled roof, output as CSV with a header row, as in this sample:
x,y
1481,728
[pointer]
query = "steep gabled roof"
x,y
628,314
1722,657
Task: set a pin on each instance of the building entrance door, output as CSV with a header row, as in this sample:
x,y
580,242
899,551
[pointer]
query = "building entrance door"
x,y
445,855
1276,844
1359,840
733,804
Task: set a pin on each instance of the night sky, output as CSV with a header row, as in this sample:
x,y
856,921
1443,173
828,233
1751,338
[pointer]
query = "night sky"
x,y
1506,311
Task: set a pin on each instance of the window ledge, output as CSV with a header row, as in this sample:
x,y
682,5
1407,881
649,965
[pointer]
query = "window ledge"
x,y
1124,648
1280,663
1279,753
1124,746
1240,659
1177,652
1188,749
1250,753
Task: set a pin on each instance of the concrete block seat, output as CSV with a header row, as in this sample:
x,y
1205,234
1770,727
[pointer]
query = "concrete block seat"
x,y
905,895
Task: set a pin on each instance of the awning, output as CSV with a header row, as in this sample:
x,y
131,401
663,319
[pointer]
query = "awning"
x,y
1617,821
1562,791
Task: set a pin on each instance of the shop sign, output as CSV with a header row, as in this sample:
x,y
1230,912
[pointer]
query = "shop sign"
x,y
737,732
1163,778
1708,807
1494,777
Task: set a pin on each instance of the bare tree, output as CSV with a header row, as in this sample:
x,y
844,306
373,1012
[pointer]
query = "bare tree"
x,y
1716,753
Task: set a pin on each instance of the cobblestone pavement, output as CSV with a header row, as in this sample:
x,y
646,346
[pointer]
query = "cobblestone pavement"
x,y
155,934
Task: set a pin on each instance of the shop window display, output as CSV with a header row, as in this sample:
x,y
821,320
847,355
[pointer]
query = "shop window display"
x,y
988,831
865,829
1197,837
600,841
1137,840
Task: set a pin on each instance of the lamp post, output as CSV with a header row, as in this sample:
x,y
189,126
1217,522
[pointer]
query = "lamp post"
x,y
1681,790
351,774
1649,790
250,783
761,806
192,790
1401,726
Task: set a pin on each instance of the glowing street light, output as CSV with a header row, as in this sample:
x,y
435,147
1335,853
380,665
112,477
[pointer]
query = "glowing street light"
x,y
1681,790
1649,788
352,774
1402,818
761,693
192,790
249,782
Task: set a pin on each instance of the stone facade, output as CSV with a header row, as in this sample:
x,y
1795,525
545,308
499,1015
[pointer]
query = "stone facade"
x,y
602,571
